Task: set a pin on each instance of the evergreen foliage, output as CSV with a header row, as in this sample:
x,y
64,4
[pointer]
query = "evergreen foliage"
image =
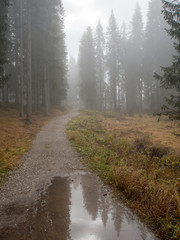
x,y
37,58
171,75
113,59
100,64
157,51
73,82
116,70
126,61
134,64
87,66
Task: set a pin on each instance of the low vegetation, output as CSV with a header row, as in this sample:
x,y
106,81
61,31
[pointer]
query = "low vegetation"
x,y
16,136
137,156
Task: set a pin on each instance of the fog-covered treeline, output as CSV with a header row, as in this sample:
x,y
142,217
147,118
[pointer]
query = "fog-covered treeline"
x,y
33,63
73,83
117,64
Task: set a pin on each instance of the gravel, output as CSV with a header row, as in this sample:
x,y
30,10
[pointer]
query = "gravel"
x,y
50,155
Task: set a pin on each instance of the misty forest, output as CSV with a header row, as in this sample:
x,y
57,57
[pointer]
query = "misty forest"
x,y
117,100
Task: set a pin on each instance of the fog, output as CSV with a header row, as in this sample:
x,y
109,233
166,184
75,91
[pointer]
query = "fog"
x,y
115,64
118,47
98,54
83,13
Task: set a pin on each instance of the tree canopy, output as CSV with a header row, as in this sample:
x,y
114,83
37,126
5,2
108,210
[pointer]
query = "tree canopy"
x,y
36,58
171,75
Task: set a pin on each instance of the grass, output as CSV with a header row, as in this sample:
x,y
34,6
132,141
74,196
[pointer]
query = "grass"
x,y
125,155
16,136
163,132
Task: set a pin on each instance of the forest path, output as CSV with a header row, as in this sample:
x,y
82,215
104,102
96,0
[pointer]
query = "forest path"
x,y
52,196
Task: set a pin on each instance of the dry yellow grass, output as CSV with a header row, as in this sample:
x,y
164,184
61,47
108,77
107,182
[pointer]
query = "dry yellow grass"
x,y
16,136
164,132
138,156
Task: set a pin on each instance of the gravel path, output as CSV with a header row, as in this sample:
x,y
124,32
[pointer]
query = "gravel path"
x,y
51,155
52,190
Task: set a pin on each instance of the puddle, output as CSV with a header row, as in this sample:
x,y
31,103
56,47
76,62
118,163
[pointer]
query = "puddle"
x,y
75,208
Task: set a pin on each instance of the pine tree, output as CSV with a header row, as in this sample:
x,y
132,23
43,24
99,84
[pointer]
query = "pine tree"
x,y
87,67
73,82
171,75
100,63
134,64
113,59
29,64
57,56
157,51
122,82
37,54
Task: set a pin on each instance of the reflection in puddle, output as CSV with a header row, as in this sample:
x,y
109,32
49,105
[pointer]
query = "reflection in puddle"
x,y
76,209
95,217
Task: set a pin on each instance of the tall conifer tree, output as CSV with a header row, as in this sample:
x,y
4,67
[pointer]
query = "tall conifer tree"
x,y
38,54
87,66
113,58
134,64
171,74
157,51
100,64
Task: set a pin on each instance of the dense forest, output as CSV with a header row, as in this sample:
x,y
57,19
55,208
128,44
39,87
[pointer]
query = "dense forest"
x,y
125,78
33,59
121,68
125,69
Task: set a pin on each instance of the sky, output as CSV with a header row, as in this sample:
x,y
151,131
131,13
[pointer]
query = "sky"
x,y
82,13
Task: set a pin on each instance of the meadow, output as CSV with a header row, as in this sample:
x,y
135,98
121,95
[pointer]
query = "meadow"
x,y
139,157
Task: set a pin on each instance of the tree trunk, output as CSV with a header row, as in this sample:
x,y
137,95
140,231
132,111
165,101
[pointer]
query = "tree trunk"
x,y
119,97
114,97
46,90
101,92
140,97
21,75
29,71
17,73
5,93
36,93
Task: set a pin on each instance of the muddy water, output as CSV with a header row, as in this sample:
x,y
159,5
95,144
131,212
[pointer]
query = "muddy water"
x,y
75,208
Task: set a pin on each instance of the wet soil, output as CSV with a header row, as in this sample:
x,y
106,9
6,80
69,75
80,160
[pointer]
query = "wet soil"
x,y
61,200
